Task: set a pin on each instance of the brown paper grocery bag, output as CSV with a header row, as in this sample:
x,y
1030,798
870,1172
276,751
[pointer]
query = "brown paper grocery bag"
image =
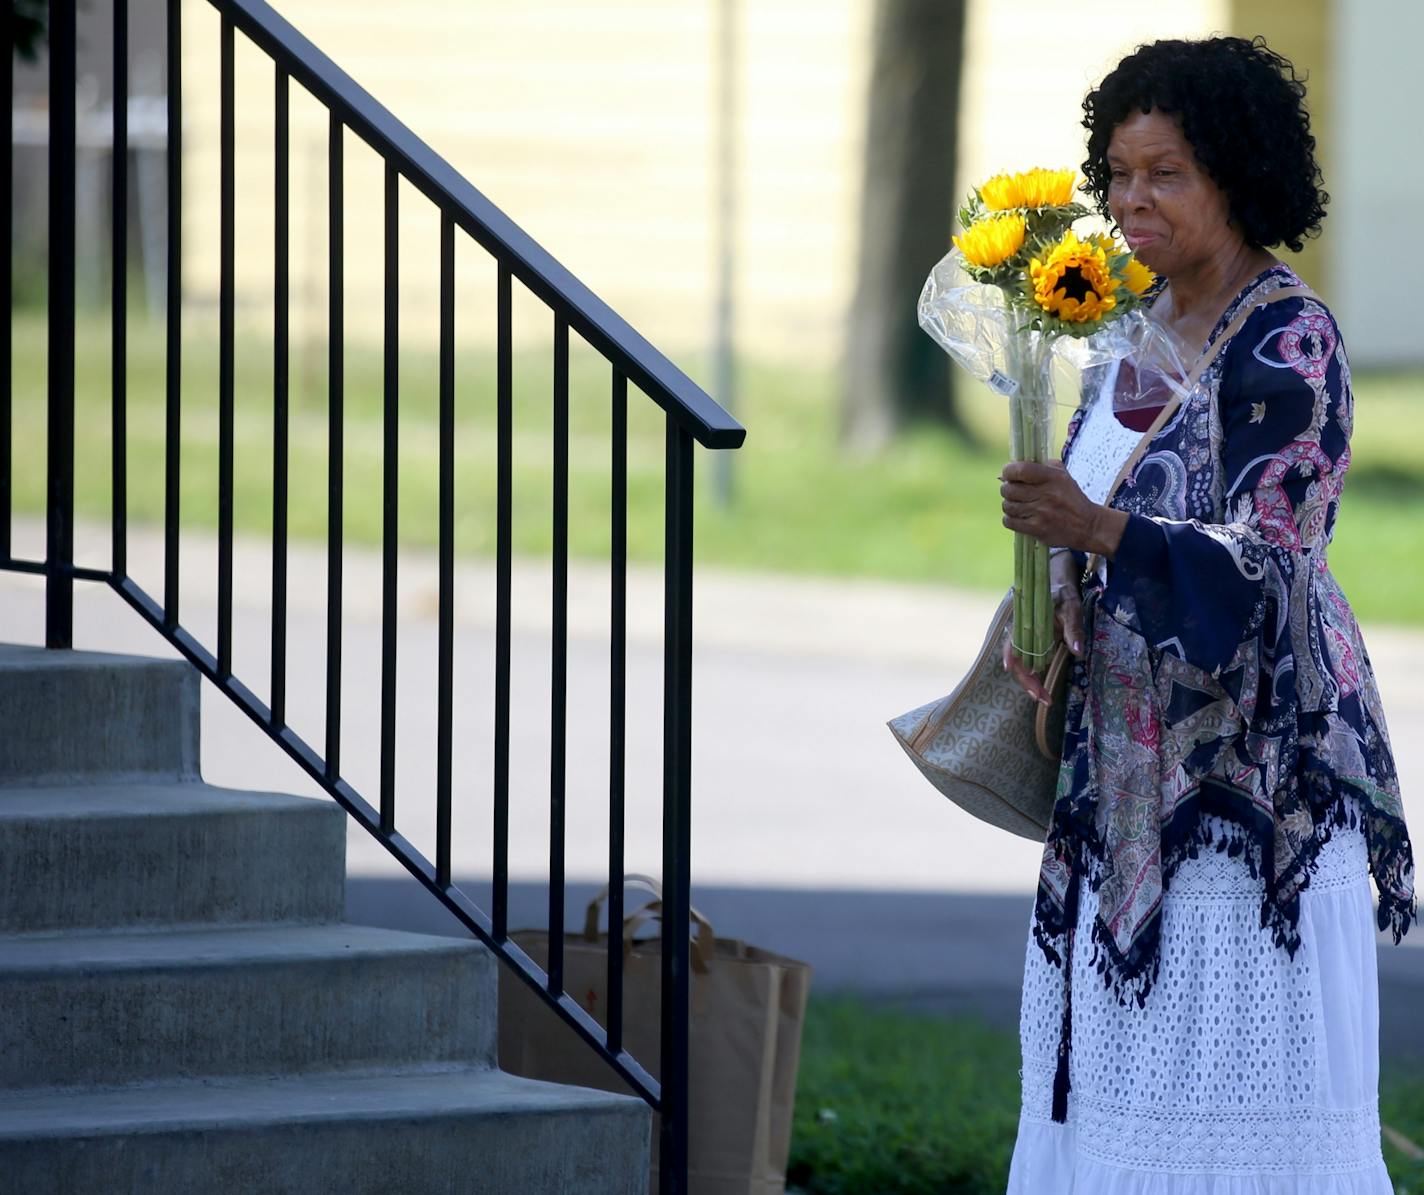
x,y
748,1006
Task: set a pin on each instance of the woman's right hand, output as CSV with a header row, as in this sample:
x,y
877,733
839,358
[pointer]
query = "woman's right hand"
x,y
1067,624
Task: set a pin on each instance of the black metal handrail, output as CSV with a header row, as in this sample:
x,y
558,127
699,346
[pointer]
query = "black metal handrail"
x,y
691,417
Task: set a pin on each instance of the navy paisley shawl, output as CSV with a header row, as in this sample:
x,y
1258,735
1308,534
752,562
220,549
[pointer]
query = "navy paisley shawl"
x,y
1225,673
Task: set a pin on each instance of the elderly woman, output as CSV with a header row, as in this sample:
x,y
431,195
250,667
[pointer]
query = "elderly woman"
x,y
1227,787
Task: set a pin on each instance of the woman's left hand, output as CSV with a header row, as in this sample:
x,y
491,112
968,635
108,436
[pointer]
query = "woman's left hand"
x,y
1043,500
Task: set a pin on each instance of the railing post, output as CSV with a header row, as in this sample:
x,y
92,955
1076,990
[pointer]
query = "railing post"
x,y
7,174
59,553
173,342
677,811
119,302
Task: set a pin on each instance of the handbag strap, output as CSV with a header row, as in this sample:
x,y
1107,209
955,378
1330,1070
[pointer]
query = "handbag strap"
x,y
1056,675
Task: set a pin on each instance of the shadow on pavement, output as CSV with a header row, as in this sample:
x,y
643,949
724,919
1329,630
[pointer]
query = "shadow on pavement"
x,y
931,952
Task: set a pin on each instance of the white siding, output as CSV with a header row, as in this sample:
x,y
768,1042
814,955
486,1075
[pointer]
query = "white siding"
x,y
1377,253
592,127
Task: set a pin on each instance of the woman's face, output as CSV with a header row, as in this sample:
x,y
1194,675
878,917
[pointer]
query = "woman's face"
x,y
1172,214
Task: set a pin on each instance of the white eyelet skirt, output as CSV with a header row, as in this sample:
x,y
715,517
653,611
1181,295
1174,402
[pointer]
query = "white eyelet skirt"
x,y
1246,1073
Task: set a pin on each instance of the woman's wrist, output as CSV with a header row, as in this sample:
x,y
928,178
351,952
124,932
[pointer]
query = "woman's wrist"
x,y
1062,568
1105,531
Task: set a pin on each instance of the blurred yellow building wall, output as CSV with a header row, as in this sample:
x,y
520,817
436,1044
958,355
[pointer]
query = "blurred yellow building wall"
x,y
1301,30
592,126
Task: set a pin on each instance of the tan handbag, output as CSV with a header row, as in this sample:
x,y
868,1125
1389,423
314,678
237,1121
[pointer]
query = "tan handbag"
x,y
990,747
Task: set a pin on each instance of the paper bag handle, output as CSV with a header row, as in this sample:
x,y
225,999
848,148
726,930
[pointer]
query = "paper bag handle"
x,y
590,917
653,910
705,933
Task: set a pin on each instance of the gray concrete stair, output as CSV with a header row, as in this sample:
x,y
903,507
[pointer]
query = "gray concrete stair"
x,y
122,1008
182,1009
429,1132
84,715
168,853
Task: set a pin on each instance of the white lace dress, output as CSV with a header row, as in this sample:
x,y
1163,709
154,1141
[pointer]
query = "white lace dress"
x,y
1246,1072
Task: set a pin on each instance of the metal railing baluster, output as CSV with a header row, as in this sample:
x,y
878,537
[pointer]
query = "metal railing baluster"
x,y
504,440
558,681
390,468
7,182
173,300
677,798
280,273
617,708
59,530
225,349
336,359
119,280
444,716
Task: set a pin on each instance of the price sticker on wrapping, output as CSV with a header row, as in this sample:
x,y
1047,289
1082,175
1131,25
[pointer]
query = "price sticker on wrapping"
x,y
1001,383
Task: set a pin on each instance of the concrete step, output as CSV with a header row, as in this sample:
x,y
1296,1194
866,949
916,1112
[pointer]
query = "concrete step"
x,y
116,1008
431,1131
102,855
80,715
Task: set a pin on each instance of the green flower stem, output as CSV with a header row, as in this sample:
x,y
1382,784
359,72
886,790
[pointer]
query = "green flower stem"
x,y
1019,554
1031,425
1027,636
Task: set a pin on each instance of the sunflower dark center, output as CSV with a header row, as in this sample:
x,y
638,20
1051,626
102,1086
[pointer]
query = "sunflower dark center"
x,y
1075,284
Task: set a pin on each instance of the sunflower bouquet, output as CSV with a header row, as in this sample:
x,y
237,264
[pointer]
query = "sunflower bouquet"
x,y
1034,288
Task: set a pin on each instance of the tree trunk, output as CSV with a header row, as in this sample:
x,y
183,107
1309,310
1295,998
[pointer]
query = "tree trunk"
x,y
893,372
28,22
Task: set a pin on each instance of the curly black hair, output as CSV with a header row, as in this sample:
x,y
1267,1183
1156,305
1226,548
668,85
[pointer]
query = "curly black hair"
x,y
1242,107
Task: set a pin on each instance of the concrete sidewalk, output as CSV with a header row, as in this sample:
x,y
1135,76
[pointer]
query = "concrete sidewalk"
x,y
796,780
812,834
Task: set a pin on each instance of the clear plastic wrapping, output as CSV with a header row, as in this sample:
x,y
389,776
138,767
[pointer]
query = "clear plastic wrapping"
x,y
1004,344
974,324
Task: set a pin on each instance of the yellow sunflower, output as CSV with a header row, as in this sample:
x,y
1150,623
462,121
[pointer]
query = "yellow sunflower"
x,y
1029,189
1139,277
1136,275
1073,281
992,241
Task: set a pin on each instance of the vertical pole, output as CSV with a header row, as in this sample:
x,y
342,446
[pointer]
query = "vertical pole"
x,y
559,652
444,729
119,284
226,223
336,360
617,707
390,532
7,169
59,555
280,279
504,455
677,811
173,300
723,367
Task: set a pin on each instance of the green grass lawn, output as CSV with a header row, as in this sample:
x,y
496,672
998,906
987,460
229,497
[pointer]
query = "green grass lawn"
x,y
896,1103
924,509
